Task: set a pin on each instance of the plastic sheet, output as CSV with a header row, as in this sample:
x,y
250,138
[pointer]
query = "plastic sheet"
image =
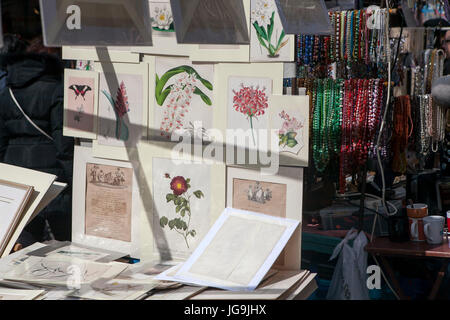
x,y
210,21
96,22
304,16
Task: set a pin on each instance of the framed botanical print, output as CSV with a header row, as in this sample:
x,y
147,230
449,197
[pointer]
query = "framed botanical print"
x,y
183,198
122,109
182,98
163,33
80,103
278,195
106,204
223,52
243,93
269,42
41,183
289,123
108,54
13,200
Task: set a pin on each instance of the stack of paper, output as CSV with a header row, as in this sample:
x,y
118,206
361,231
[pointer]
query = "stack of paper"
x,y
23,194
237,252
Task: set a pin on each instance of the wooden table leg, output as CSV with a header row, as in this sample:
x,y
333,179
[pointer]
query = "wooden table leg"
x,y
392,277
438,282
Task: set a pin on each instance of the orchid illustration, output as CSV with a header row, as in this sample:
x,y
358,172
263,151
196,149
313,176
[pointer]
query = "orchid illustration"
x,y
121,108
182,201
263,20
251,102
179,96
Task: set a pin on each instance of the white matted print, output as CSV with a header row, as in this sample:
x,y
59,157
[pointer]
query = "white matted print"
x,y
122,109
236,111
106,204
238,251
182,93
182,198
80,103
279,195
268,41
185,198
223,53
289,122
163,33
242,112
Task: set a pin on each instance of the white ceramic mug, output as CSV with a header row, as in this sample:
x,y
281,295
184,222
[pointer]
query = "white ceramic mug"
x,y
433,226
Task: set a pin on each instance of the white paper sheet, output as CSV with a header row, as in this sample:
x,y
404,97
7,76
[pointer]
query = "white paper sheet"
x,y
238,251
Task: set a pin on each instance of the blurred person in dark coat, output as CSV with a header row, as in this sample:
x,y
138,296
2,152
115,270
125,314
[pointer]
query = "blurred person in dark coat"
x,y
36,80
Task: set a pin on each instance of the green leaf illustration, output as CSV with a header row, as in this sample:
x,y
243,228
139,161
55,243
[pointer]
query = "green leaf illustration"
x,y
292,135
170,197
271,25
292,143
199,194
161,93
204,97
163,222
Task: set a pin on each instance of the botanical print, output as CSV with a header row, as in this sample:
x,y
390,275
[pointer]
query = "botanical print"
x,y
59,270
248,104
80,103
121,107
120,110
268,31
161,15
291,133
182,202
72,251
108,202
259,196
181,198
183,96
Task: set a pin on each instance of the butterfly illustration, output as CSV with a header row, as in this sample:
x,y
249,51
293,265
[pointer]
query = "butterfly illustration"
x,y
80,90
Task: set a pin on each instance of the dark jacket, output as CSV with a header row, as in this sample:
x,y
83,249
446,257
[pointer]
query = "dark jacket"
x,y
36,81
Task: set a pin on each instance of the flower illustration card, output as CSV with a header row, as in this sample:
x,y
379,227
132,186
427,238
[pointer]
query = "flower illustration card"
x,y
80,103
275,195
122,110
243,92
289,122
248,105
163,32
268,39
182,197
182,98
186,197
107,203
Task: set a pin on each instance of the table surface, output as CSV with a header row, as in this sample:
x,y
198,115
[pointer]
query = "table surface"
x,y
384,246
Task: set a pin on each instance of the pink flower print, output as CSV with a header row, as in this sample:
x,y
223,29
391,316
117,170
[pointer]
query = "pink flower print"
x,y
251,102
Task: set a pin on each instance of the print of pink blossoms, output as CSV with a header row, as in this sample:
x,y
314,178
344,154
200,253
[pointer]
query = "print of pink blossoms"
x,y
178,102
288,131
177,97
251,102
